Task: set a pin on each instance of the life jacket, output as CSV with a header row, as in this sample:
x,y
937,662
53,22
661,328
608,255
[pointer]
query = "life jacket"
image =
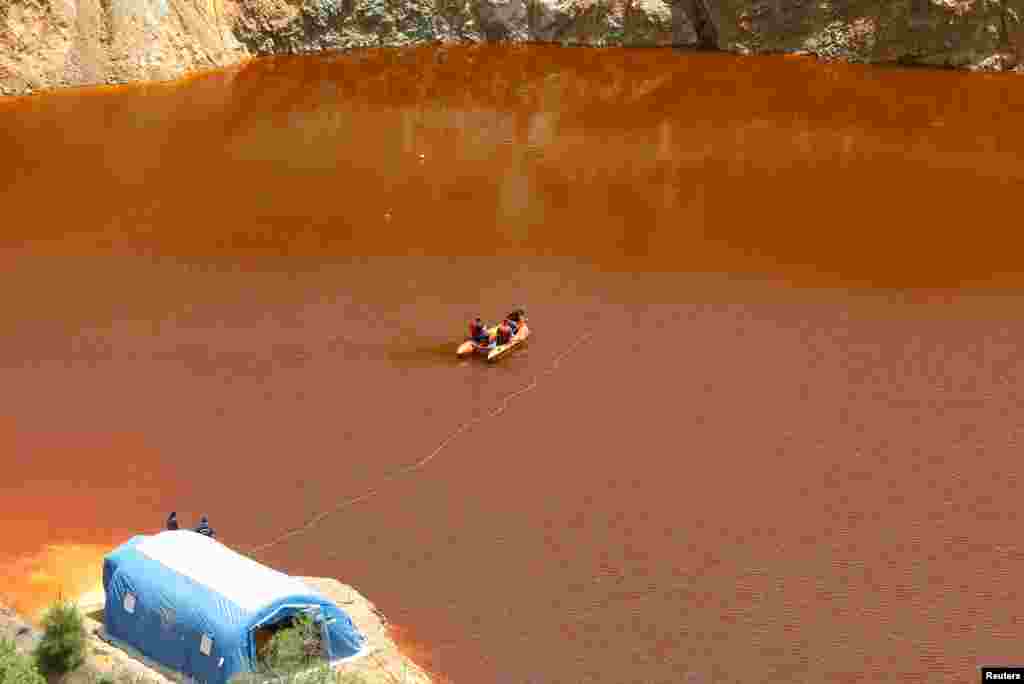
x,y
475,330
504,334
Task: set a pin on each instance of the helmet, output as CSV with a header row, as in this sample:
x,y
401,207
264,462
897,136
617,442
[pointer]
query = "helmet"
x,y
203,519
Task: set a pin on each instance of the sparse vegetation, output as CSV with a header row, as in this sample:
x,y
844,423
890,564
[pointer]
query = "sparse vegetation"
x,y
16,668
294,648
62,648
324,674
293,655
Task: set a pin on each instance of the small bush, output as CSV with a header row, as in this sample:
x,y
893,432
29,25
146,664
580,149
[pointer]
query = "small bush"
x,y
293,648
16,668
62,648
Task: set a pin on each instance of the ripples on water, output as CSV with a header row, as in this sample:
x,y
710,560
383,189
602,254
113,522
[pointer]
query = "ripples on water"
x,y
788,451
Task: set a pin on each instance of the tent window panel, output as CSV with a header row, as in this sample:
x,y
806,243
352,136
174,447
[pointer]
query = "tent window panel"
x,y
206,645
129,603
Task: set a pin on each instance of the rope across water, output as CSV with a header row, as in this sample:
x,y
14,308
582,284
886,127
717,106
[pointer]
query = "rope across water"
x,y
445,443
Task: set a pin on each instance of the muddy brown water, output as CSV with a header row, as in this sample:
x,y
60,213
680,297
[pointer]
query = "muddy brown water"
x,y
767,428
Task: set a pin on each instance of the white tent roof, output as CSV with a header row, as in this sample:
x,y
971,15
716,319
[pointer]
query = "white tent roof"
x,y
237,578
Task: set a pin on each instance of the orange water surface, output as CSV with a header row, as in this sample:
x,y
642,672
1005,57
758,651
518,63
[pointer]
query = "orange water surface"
x,y
767,427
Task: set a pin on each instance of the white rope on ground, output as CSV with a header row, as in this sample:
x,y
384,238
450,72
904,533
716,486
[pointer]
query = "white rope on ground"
x,y
320,517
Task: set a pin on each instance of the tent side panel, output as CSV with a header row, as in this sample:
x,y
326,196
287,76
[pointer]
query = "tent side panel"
x,y
166,616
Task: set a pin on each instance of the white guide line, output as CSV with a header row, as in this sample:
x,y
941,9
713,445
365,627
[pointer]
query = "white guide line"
x,y
320,517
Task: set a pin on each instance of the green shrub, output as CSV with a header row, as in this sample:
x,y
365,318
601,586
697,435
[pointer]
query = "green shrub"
x,y
295,655
16,668
62,648
293,648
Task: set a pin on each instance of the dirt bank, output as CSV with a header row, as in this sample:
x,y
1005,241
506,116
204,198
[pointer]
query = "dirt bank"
x,y
382,662
58,43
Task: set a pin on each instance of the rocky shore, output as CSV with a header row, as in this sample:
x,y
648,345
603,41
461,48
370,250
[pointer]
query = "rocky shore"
x,y
59,43
382,663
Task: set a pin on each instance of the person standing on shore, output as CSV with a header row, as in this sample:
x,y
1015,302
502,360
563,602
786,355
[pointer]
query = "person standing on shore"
x,y
172,521
205,529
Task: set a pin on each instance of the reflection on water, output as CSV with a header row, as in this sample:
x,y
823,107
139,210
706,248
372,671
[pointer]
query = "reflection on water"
x,y
779,167
787,448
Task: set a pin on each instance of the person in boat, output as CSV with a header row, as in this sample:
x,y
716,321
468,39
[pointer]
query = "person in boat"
x,y
477,331
504,334
516,319
172,521
204,528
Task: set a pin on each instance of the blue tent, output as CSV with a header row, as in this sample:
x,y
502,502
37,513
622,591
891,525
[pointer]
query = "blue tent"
x,y
193,605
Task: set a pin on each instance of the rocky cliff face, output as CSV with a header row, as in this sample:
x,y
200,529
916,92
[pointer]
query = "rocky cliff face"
x,y
49,43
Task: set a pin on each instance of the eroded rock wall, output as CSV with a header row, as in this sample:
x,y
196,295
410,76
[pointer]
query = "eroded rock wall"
x,y
49,43
957,33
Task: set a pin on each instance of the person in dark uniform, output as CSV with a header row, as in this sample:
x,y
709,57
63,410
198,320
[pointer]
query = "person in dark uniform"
x,y
172,521
204,528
